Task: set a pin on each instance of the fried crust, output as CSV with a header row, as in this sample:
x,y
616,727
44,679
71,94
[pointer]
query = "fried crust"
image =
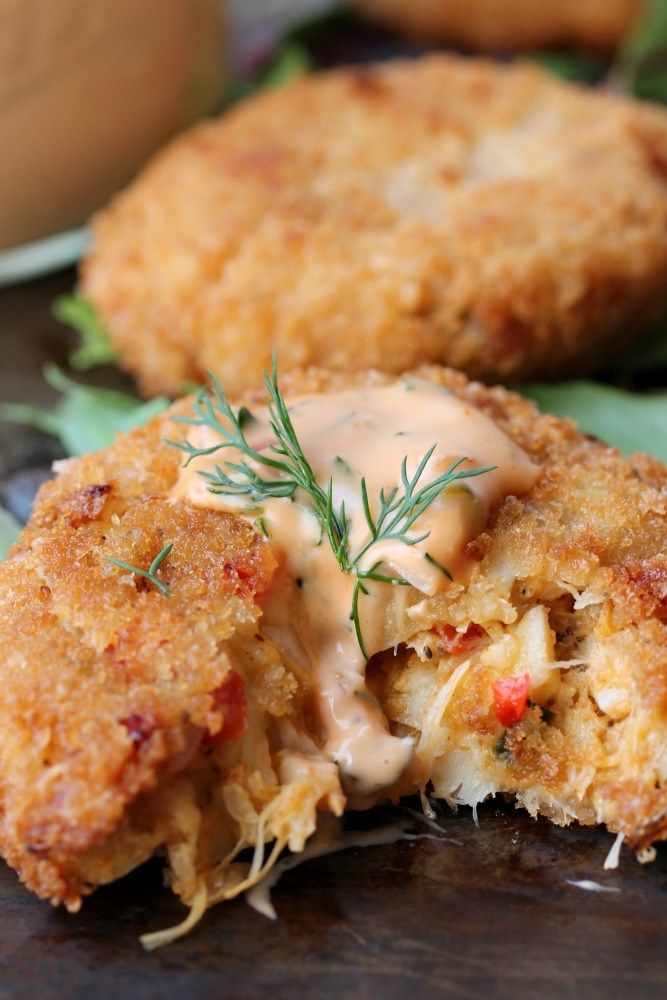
x,y
440,210
107,684
509,25
598,521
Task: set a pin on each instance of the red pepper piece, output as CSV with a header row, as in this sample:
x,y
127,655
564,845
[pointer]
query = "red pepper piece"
x,y
231,701
452,641
510,698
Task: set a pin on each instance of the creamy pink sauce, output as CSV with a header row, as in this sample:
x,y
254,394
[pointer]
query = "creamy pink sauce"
x,y
346,435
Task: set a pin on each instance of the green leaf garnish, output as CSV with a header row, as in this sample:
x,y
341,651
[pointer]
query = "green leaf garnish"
x,y
284,470
575,66
631,421
150,573
642,61
640,66
9,531
85,419
292,61
95,348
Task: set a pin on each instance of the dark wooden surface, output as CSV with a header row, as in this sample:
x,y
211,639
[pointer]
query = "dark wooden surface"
x,y
487,912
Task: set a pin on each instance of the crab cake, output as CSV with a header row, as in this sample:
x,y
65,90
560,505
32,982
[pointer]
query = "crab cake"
x,y
509,25
491,218
193,707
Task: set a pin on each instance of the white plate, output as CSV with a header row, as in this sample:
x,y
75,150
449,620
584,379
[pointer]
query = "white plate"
x,y
43,256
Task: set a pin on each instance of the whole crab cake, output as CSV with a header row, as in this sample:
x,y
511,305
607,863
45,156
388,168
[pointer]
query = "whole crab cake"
x,y
487,217
200,664
509,25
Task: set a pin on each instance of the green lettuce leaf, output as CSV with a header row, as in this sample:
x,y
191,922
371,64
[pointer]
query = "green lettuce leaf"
x,y
292,60
631,421
643,56
95,347
576,66
9,529
640,66
85,419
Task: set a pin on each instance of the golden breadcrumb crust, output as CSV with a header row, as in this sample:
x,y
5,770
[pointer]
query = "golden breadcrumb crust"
x,y
596,522
106,685
105,682
490,218
509,25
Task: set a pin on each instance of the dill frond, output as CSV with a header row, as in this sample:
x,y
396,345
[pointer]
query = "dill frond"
x,y
150,573
284,470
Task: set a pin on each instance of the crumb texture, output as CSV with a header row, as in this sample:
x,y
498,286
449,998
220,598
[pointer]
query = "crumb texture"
x,y
446,210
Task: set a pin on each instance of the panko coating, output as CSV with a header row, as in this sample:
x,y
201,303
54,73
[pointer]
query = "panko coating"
x,y
441,210
509,25
132,721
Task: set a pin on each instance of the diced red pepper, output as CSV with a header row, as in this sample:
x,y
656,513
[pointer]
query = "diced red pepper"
x,y
230,700
451,641
510,698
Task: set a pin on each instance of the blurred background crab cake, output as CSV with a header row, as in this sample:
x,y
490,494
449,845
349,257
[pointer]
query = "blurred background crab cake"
x,y
509,25
491,218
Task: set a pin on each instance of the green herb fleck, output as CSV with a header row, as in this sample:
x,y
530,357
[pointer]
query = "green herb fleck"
x,y
246,417
342,464
500,748
548,714
150,573
434,562
260,524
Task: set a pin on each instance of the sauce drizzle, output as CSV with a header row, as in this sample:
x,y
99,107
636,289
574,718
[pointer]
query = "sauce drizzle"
x,y
346,435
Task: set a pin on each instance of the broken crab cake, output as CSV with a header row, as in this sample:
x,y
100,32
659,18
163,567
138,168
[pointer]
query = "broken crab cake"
x,y
200,663
509,25
487,217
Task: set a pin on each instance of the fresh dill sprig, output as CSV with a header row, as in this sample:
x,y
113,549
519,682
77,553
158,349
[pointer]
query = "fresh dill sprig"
x,y
288,466
150,573
438,565
399,511
284,470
